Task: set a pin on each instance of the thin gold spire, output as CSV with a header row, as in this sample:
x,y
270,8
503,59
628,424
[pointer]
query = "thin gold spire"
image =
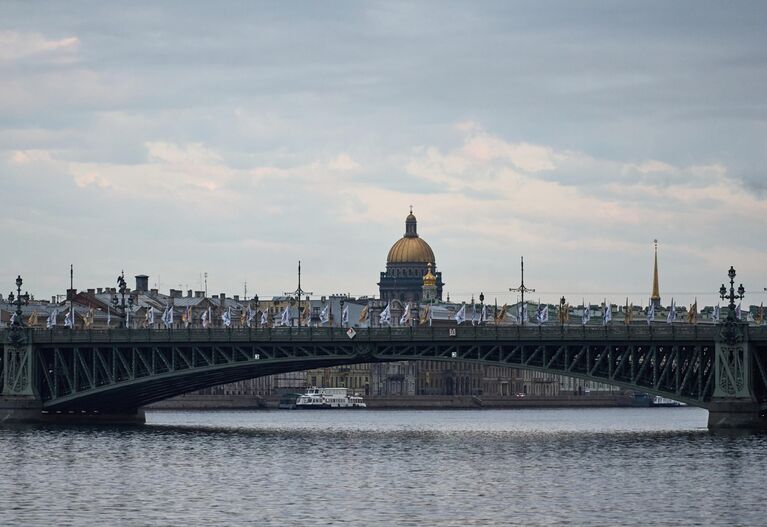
x,y
655,287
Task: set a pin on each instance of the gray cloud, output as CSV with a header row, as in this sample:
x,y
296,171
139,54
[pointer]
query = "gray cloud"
x,y
288,87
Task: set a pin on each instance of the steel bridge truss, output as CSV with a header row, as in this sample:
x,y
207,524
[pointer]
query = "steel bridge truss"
x,y
94,376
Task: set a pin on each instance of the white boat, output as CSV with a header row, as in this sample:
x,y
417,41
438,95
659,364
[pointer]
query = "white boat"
x,y
663,401
327,398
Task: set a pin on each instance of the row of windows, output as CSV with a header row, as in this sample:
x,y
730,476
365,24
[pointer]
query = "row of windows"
x,y
407,272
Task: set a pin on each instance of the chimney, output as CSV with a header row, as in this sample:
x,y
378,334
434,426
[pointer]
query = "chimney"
x,y
189,293
142,283
71,294
236,298
154,291
175,293
53,299
99,290
91,292
199,294
222,296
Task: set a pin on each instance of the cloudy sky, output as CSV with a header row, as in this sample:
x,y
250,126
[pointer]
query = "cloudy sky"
x,y
236,138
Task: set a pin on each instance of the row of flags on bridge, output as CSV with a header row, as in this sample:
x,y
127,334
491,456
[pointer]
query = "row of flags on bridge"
x,y
482,315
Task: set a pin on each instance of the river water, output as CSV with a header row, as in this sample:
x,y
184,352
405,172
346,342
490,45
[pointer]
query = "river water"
x,y
465,467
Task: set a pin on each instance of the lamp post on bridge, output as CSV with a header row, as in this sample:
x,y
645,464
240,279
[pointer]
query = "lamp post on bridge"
x,y
126,309
255,299
16,321
482,307
732,296
298,294
522,290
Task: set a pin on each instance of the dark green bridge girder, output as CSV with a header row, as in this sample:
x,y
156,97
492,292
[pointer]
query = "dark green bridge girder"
x,y
121,370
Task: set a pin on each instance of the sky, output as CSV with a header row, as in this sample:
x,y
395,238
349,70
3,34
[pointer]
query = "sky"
x,y
236,138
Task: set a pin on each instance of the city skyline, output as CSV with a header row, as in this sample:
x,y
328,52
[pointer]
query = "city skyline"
x,y
316,130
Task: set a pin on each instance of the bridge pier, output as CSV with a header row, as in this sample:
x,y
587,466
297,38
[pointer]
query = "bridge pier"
x,y
28,409
20,409
724,413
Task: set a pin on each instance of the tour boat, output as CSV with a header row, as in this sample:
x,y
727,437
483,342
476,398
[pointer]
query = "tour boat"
x,y
327,398
663,401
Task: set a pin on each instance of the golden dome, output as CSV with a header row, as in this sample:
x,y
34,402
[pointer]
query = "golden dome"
x,y
410,248
429,280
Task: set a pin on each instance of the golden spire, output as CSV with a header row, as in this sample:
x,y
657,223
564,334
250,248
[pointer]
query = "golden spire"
x,y
655,288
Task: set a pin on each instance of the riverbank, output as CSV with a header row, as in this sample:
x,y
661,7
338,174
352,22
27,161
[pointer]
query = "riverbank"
x,y
249,402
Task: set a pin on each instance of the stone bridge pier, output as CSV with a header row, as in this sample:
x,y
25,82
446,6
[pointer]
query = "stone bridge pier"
x,y
735,402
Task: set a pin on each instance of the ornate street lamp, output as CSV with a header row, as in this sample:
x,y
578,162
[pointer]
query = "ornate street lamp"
x,y
120,304
482,306
255,299
17,321
733,295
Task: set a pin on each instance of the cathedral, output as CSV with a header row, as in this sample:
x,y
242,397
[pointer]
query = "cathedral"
x,y
411,271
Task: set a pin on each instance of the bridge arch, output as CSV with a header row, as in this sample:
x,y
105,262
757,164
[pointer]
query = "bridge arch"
x,y
122,370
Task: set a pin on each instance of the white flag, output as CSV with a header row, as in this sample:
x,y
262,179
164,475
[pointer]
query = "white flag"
x,y
150,316
586,315
717,313
167,317
672,312
474,315
608,314
251,315
226,318
483,314
345,316
405,318
69,319
264,317
460,316
542,314
738,312
285,318
523,314
188,321
325,315
204,318
51,322
385,316
650,312
431,314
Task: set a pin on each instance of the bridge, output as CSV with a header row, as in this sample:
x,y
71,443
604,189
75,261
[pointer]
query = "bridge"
x,y
108,375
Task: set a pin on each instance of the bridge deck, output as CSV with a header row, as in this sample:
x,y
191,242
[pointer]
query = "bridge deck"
x,y
623,333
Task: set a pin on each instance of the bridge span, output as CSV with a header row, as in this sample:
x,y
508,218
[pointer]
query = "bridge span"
x,y
108,375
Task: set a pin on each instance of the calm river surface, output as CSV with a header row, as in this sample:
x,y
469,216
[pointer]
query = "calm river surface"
x,y
466,467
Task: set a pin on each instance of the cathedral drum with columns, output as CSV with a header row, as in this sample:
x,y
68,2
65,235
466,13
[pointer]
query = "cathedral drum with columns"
x,y
410,260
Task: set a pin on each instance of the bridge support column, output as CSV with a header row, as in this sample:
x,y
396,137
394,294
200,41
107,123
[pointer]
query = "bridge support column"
x,y
20,409
733,404
19,402
745,414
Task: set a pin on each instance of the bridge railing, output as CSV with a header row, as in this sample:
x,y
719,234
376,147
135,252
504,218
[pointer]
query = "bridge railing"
x,y
617,332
